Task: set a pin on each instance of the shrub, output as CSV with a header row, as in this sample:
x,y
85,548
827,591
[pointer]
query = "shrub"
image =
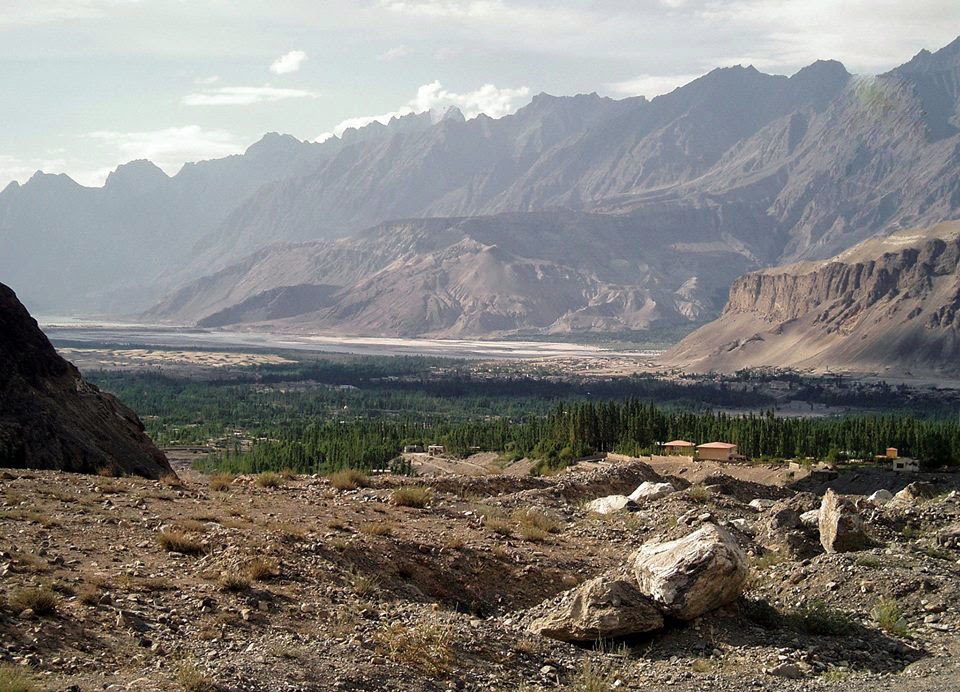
x,y
592,679
171,480
269,479
536,519
363,584
349,479
816,617
221,481
178,542
261,569
699,493
41,600
192,678
233,582
500,527
376,528
16,679
889,617
533,534
288,474
412,496
426,647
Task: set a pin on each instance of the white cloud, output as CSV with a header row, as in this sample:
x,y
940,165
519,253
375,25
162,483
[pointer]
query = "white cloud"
x,y
243,96
169,148
394,53
649,85
207,81
288,62
488,100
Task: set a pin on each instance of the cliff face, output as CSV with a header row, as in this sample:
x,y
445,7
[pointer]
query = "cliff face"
x,y
887,304
51,418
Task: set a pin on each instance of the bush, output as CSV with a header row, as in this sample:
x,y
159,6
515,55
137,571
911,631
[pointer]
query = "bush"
x,y
233,582
426,647
699,493
41,600
412,496
532,518
349,479
592,679
178,542
192,678
16,679
889,617
269,479
500,527
533,534
376,528
221,481
261,569
816,617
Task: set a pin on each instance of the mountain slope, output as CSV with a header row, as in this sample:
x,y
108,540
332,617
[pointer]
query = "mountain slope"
x,y
888,304
51,418
543,271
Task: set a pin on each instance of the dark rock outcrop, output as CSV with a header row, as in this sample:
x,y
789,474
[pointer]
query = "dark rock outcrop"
x,y
51,418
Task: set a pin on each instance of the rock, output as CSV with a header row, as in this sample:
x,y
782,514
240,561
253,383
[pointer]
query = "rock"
x,y
918,490
841,528
694,574
603,607
761,504
881,497
786,670
651,491
949,536
811,519
610,503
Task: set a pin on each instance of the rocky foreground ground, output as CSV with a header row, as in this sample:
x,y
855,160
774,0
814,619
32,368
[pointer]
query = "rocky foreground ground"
x,y
273,583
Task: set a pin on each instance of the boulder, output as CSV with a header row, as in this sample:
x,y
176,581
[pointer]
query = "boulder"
x,y
949,536
651,491
692,575
603,607
918,490
760,504
811,519
841,528
881,497
609,504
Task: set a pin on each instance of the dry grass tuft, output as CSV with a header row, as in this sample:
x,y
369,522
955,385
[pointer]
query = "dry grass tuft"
x,y
426,647
262,569
42,600
349,479
533,534
501,527
192,678
412,496
376,528
172,480
533,518
221,481
178,542
269,479
17,679
234,582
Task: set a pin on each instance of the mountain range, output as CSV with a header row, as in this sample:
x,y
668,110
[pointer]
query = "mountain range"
x,y
575,213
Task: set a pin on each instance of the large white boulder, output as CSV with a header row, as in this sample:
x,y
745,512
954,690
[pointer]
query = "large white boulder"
x,y
600,608
651,491
881,497
692,575
841,528
609,504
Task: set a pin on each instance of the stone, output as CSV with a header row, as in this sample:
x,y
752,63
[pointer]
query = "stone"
x,y
841,528
692,575
881,497
610,504
761,504
918,490
811,519
786,670
600,608
651,491
949,536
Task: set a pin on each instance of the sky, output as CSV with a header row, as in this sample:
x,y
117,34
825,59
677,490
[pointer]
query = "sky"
x,y
88,84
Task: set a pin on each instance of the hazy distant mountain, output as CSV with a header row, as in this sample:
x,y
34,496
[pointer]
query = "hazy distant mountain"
x,y
534,271
889,304
811,164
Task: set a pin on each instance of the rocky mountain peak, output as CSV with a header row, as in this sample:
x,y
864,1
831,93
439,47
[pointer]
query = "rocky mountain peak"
x,y
135,177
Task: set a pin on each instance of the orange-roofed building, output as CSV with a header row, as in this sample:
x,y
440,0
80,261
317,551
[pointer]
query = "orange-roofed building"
x,y
679,447
717,451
